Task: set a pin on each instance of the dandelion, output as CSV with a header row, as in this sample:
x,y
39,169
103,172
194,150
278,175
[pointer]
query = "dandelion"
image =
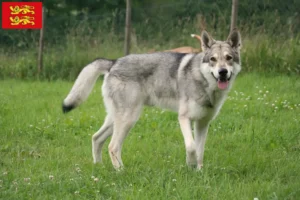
x,y
260,91
273,104
51,177
113,184
267,91
5,173
276,108
92,177
174,180
76,192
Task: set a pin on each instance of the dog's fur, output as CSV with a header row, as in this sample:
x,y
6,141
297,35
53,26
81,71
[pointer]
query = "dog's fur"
x,y
194,85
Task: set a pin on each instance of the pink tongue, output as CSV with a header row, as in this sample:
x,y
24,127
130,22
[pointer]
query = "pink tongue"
x,y
223,85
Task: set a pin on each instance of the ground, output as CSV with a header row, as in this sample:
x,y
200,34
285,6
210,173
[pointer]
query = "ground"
x,y
252,150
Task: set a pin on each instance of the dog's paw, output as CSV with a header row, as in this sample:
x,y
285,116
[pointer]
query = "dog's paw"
x,y
191,159
200,167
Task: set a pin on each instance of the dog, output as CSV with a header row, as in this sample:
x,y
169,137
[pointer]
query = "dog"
x,y
194,85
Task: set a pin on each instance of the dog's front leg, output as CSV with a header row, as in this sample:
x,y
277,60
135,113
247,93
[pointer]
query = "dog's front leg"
x,y
201,128
185,125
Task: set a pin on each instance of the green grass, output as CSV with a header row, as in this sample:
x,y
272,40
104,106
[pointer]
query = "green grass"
x,y
252,149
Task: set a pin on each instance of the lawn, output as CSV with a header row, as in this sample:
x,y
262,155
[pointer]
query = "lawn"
x,y
252,151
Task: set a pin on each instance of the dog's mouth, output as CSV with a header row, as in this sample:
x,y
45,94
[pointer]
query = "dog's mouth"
x,y
223,82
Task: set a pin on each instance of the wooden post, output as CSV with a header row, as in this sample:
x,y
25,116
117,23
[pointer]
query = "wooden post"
x,y
127,28
41,44
234,13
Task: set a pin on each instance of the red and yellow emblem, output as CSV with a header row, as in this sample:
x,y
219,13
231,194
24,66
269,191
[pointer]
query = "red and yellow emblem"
x,y
22,15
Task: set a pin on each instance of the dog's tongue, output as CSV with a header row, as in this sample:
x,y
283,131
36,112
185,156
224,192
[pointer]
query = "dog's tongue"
x,y
222,84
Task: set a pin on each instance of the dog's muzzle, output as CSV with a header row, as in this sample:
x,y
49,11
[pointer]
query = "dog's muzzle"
x,y
223,79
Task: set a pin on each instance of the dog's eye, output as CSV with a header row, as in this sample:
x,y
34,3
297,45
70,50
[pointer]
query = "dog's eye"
x,y
228,57
213,59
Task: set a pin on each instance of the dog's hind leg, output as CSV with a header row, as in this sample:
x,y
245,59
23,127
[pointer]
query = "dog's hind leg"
x,y
123,122
201,128
100,137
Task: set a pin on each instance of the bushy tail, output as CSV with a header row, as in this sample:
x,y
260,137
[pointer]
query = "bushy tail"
x,y
85,83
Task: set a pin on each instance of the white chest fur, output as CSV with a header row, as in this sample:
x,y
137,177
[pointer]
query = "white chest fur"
x,y
198,111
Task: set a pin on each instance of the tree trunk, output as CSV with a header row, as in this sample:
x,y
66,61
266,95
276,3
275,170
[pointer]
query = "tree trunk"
x,y
234,13
41,44
127,27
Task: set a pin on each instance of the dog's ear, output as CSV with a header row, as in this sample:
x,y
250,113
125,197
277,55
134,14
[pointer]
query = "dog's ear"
x,y
234,39
206,40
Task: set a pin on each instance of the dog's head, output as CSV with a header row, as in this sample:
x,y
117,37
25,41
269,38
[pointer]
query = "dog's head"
x,y
222,57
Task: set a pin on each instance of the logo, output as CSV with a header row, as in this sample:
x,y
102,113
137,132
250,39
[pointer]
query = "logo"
x,y
22,15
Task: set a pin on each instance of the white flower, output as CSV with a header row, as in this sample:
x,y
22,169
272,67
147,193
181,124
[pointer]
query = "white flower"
x,y
51,177
96,179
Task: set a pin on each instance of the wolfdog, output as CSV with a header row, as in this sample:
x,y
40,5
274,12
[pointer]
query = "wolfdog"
x,y
195,85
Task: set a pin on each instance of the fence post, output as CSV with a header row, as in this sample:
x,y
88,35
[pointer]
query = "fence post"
x,y
234,13
41,44
127,28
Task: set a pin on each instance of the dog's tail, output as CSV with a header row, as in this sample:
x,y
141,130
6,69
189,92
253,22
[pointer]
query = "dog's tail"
x,y
85,83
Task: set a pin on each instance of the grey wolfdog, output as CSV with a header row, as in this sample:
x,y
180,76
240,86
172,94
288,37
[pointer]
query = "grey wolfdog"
x,y
194,85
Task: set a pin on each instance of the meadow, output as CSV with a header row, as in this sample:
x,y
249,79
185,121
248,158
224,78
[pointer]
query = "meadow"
x,y
252,150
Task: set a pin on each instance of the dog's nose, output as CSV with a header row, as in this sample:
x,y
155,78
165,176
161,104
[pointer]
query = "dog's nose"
x,y
223,72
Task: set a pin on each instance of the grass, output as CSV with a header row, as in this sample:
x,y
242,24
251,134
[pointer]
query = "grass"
x,y
252,149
